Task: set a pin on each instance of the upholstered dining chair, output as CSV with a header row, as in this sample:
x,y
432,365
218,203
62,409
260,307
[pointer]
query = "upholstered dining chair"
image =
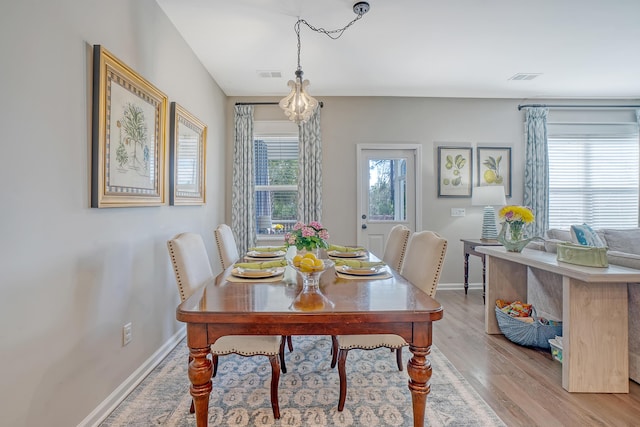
x,y
229,255
191,267
422,267
396,246
227,246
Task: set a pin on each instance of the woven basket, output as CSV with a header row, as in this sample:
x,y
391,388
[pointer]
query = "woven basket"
x,y
533,334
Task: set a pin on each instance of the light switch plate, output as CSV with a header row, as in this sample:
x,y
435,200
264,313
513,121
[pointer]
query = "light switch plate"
x,y
457,212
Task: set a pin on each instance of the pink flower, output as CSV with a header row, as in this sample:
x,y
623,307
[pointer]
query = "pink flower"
x,y
308,232
315,224
307,236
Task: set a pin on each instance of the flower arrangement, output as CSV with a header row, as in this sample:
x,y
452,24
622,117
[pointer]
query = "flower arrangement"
x,y
278,228
516,217
307,236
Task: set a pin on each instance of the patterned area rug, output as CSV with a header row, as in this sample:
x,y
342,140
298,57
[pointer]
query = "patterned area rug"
x,y
377,393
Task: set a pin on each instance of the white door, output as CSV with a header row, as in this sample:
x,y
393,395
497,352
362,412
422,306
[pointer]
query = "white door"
x,y
389,192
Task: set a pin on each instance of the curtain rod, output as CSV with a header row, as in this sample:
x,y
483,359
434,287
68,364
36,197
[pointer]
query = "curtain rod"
x,y
521,106
269,103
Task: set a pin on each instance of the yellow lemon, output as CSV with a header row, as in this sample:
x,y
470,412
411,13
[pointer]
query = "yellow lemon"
x,y
490,176
310,255
306,265
318,265
297,259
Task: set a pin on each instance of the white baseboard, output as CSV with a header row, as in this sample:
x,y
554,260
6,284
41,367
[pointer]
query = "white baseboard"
x,y
119,394
457,286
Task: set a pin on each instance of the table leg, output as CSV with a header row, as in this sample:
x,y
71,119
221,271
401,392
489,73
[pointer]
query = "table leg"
x,y
484,278
419,370
200,371
466,272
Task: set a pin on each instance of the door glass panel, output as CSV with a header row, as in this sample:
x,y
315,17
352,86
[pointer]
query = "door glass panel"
x,y
387,190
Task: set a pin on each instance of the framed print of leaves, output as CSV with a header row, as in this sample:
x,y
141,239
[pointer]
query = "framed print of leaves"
x,y
494,167
455,168
128,136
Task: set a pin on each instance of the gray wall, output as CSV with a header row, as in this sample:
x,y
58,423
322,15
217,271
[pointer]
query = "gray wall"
x,y
72,276
431,122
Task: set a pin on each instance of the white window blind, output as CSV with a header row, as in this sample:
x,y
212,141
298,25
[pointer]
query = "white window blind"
x,y
276,183
593,175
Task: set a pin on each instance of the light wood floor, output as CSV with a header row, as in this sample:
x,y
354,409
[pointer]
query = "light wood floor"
x,y
522,385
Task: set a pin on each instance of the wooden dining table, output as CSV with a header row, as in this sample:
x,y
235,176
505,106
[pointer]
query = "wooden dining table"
x,y
364,305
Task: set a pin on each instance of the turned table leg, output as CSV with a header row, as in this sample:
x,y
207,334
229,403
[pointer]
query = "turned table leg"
x,y
419,370
200,371
466,272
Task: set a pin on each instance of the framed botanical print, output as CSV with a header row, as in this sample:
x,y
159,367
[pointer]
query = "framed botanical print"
x,y
128,136
455,168
494,167
186,158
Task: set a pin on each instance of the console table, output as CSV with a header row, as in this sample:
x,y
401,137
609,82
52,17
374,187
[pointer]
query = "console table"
x,y
594,314
470,249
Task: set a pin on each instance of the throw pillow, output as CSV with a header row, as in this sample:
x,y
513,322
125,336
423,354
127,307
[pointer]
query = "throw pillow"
x,y
584,235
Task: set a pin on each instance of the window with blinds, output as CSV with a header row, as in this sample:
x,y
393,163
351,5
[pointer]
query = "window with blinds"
x,y
276,183
593,175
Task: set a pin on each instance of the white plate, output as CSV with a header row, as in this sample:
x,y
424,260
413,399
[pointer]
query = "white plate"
x,y
258,254
338,254
362,271
247,273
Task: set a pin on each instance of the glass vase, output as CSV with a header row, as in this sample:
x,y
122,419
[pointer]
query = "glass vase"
x,y
511,237
311,297
315,251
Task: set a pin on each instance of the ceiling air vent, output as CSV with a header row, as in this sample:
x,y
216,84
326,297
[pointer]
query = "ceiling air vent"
x,y
266,74
524,76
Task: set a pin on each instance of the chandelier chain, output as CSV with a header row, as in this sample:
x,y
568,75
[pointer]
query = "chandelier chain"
x,y
332,34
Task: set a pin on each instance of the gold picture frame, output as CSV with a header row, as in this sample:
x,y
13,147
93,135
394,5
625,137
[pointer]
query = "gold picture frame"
x,y
187,158
128,136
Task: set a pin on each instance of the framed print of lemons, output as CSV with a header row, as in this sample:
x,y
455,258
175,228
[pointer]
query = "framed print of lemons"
x,y
494,167
454,171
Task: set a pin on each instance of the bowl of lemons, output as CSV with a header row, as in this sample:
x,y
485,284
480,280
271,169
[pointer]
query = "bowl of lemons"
x,y
310,267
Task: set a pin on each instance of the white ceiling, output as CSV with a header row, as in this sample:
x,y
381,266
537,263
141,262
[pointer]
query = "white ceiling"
x,y
426,48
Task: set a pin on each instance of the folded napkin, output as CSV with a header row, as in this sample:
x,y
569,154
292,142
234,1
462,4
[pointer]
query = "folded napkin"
x,y
354,263
339,248
268,248
261,265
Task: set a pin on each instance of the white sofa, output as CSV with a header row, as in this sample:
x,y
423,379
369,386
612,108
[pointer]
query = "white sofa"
x,y
624,250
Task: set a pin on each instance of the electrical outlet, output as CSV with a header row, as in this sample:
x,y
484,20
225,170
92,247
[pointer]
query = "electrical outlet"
x,y
457,212
126,334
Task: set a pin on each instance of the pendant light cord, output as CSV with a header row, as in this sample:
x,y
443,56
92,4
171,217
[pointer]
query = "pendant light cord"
x,y
332,34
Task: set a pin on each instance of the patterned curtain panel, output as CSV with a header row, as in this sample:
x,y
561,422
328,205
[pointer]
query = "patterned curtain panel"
x,y
242,208
536,168
310,170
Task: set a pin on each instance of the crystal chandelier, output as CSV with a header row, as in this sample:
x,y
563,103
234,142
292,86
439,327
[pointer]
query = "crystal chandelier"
x,y
299,105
